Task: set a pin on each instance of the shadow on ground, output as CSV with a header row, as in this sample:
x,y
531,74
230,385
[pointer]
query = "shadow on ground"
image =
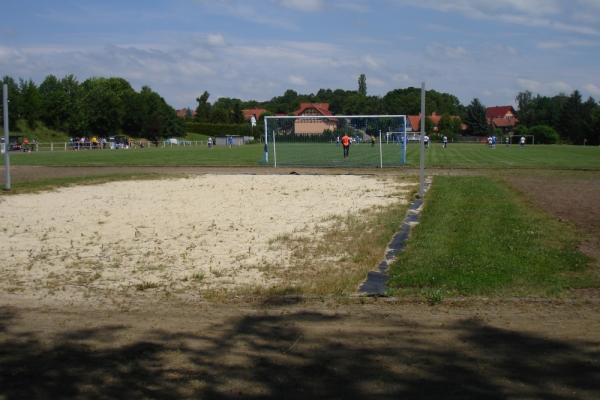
x,y
268,356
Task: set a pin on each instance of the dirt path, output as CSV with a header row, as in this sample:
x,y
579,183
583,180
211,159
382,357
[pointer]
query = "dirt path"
x,y
571,197
314,350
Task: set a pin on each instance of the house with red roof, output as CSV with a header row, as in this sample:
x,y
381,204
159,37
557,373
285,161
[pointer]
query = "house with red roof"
x,y
413,122
316,126
256,112
185,113
501,117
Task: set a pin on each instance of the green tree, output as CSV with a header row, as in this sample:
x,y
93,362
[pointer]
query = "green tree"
x,y
362,85
544,134
526,108
571,123
15,111
30,102
54,104
104,106
203,109
449,126
475,118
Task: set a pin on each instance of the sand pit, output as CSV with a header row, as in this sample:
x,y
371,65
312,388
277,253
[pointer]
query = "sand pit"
x,y
182,235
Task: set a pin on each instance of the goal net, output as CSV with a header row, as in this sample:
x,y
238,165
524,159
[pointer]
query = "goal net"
x,y
318,140
516,139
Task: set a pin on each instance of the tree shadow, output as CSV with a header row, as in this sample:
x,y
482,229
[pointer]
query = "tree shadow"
x,y
296,355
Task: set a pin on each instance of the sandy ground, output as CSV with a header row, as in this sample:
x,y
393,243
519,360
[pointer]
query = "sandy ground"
x,y
296,348
183,235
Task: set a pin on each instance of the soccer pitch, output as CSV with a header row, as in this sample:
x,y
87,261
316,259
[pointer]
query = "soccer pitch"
x,y
330,155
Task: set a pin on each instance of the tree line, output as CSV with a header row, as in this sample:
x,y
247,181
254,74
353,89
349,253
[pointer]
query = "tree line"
x,y
565,118
96,106
109,106
403,101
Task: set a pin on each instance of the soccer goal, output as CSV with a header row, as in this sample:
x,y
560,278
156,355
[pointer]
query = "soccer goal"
x,y
516,139
318,140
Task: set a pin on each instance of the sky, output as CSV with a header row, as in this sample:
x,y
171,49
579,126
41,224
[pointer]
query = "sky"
x,y
257,49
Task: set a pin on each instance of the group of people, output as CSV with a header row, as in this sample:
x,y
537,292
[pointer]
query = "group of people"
x,y
83,142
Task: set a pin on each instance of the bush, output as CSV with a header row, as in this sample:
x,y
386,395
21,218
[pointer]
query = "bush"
x,y
544,134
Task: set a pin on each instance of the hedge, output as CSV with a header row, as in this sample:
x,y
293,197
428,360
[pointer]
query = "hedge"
x,y
223,129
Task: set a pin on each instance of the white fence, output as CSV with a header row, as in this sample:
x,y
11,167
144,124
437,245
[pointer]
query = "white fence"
x,y
70,146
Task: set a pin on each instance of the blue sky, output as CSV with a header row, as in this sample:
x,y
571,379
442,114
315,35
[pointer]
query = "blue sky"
x,y
256,49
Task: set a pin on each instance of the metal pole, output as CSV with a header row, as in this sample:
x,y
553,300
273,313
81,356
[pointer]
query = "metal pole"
x,y
404,141
422,145
274,151
6,142
266,140
380,152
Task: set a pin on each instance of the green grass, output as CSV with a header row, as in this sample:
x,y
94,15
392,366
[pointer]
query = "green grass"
x,y
478,237
330,155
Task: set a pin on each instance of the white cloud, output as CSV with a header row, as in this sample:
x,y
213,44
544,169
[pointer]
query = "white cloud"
x,y
560,44
402,78
302,5
544,88
215,39
444,52
547,14
371,62
297,80
593,89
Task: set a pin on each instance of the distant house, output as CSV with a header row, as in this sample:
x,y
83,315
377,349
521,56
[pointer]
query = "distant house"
x,y
316,126
256,112
413,122
185,113
501,117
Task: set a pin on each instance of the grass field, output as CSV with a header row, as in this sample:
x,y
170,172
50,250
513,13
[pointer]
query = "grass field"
x,y
329,155
478,237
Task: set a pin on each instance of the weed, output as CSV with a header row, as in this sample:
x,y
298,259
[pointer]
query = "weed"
x,y
146,285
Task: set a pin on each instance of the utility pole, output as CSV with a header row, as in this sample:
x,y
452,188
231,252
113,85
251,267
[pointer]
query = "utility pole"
x,y
422,145
6,144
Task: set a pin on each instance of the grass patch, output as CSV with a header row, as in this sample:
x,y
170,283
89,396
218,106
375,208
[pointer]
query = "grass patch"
x,y
336,259
478,237
41,185
328,154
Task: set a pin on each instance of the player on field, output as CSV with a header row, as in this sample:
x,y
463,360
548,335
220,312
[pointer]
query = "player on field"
x,y
346,145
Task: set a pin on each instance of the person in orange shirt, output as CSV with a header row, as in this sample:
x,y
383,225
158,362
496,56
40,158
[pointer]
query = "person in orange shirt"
x,y
346,145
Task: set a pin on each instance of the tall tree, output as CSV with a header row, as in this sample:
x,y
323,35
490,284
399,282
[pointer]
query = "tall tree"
x,y
571,121
475,118
203,107
362,85
526,108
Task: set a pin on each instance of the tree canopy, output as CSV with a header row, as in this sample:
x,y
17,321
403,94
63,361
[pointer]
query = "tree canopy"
x,y
97,106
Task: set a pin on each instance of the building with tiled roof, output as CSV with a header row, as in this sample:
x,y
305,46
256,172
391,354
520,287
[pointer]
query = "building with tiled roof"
x,y
185,113
317,126
256,112
501,117
414,121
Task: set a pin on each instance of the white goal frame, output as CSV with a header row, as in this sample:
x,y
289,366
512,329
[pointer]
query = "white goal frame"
x,y
295,117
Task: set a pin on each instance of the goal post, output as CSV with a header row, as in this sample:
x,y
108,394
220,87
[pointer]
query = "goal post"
x,y
516,139
317,140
